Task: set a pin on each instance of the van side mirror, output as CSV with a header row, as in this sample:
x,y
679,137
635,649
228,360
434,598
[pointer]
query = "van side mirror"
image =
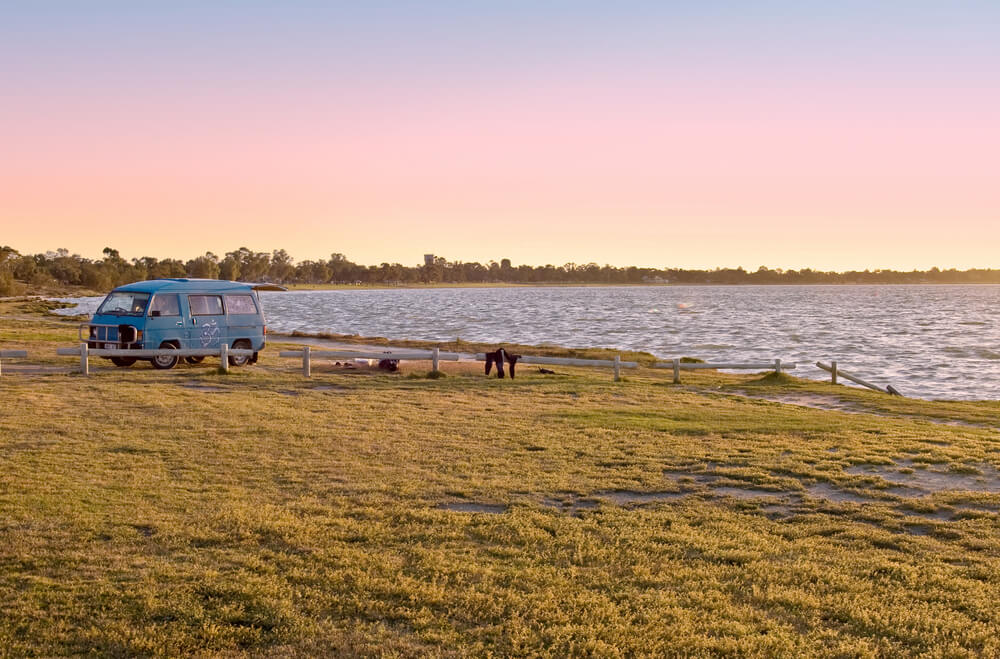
x,y
155,313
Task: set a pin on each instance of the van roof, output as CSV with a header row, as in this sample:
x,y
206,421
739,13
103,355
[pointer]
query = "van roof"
x,y
182,285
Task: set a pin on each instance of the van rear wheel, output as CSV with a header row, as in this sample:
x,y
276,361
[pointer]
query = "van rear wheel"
x,y
240,360
163,362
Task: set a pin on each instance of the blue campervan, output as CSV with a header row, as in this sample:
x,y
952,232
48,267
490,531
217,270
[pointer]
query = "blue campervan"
x,y
197,314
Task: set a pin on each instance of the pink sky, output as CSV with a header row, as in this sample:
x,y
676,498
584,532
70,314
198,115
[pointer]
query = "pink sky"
x,y
626,160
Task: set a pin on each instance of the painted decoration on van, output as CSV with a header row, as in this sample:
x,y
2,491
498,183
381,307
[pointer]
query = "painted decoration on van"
x,y
210,334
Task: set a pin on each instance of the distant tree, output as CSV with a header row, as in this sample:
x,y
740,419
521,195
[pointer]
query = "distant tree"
x,y
312,272
341,269
112,256
8,257
203,267
229,267
168,268
281,268
61,267
253,265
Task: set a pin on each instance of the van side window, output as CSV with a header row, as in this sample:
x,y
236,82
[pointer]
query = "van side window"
x,y
165,305
205,305
240,304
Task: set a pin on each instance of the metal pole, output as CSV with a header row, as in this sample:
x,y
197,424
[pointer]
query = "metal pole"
x,y
84,362
833,372
618,367
677,371
434,359
306,362
224,358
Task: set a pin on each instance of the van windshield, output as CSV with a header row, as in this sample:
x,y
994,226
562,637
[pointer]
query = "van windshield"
x,y
122,303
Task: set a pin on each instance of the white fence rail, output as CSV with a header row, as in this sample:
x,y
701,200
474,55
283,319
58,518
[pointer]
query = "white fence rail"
x,y
435,356
677,365
224,352
11,354
307,354
617,364
835,373
566,361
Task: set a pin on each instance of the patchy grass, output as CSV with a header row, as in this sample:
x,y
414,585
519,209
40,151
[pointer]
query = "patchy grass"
x,y
358,513
29,305
26,324
972,412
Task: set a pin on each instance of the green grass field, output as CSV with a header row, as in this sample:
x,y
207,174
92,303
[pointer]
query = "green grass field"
x,y
192,513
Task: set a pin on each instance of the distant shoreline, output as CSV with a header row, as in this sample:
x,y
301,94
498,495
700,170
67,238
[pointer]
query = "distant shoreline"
x,y
69,292
351,287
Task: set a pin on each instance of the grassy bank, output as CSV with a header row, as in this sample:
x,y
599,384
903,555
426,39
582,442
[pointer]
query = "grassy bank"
x,y
187,512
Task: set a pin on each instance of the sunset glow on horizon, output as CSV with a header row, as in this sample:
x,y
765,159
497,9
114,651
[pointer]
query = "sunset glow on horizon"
x,y
648,134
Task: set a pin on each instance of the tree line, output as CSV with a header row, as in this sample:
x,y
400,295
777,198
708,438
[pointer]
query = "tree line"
x,y
25,272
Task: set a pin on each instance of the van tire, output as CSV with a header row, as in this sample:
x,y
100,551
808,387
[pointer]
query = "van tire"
x,y
164,363
123,362
241,360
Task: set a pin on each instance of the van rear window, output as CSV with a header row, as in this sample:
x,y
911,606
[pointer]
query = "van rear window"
x,y
205,305
240,304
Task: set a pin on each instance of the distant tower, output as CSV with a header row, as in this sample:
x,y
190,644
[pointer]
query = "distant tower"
x,y
428,259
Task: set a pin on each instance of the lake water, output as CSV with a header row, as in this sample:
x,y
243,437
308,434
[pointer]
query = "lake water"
x,y
927,341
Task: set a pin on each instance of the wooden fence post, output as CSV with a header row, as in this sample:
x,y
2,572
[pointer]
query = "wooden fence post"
x,y
833,372
618,368
777,367
224,357
84,361
677,371
306,362
434,359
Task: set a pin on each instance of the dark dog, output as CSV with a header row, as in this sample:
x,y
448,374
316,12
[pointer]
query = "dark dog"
x,y
497,357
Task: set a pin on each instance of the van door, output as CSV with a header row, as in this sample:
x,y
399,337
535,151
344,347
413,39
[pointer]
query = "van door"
x,y
165,322
208,321
244,320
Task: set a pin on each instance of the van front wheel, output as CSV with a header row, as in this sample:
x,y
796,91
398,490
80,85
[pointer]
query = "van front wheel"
x,y
240,360
163,362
